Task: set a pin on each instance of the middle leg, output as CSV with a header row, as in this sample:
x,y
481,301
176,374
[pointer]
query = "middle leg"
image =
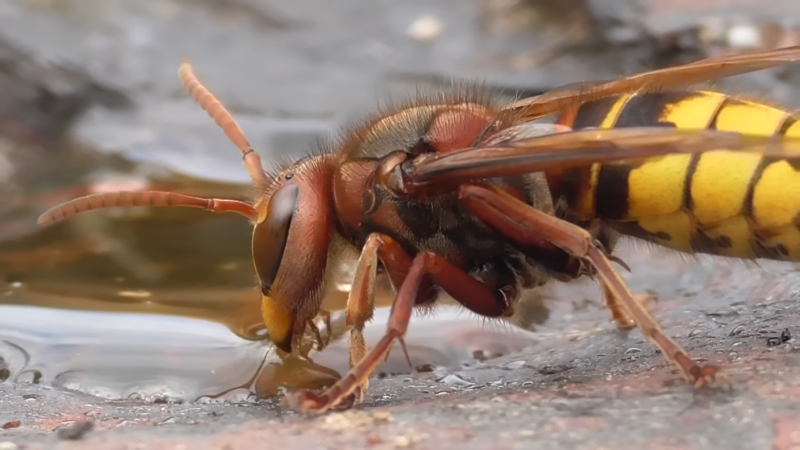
x,y
361,300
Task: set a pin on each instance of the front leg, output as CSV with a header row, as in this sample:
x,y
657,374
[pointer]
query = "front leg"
x,y
361,303
523,223
477,296
361,300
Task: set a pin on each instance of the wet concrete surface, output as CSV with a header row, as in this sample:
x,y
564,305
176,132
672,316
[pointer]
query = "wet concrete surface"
x,y
292,72
578,385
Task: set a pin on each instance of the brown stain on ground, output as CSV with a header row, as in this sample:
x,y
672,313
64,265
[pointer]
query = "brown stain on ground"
x,y
787,431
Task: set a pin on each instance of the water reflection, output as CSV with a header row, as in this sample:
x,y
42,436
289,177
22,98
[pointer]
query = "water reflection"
x,y
121,355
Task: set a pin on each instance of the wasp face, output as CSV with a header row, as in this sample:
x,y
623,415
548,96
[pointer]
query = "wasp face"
x,y
294,223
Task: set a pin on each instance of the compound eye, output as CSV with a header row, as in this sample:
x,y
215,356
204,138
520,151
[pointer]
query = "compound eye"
x,y
271,234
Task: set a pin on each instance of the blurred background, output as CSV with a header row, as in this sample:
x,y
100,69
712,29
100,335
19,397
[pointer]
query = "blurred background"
x,y
160,304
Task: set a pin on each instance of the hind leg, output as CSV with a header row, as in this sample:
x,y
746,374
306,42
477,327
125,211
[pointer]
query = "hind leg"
x,y
522,223
618,313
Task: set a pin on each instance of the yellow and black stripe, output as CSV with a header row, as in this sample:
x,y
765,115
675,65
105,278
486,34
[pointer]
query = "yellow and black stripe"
x,y
721,202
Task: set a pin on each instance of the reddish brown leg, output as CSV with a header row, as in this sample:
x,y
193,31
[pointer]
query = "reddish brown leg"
x,y
465,289
326,317
361,301
618,313
523,223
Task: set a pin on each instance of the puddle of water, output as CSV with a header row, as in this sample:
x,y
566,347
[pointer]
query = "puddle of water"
x,y
122,355
170,358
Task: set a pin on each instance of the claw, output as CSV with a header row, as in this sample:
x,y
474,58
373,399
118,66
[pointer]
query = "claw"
x,y
328,327
317,335
708,377
619,261
405,352
322,343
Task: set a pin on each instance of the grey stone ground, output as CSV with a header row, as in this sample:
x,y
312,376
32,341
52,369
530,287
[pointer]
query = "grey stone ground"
x,y
291,71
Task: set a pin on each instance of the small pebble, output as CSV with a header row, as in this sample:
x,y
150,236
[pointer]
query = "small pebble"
x,y
454,380
8,446
425,29
12,424
785,336
382,416
515,365
737,331
75,430
404,442
425,368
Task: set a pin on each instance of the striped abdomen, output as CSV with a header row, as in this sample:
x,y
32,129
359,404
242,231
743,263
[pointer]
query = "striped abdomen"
x,y
720,203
